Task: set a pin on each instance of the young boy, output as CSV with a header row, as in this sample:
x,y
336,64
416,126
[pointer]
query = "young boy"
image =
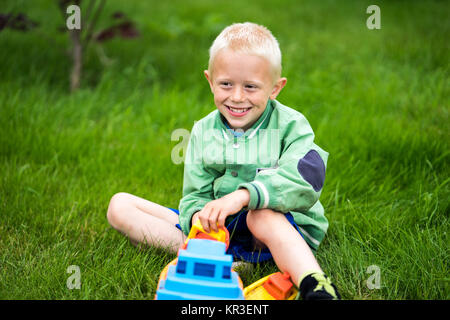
x,y
251,166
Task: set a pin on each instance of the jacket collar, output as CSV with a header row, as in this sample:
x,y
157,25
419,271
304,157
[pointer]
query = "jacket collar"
x,y
261,123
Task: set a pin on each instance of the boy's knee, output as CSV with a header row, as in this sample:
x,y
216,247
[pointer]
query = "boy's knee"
x,y
116,207
259,222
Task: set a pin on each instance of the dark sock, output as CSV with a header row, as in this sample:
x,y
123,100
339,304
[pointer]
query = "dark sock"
x,y
317,286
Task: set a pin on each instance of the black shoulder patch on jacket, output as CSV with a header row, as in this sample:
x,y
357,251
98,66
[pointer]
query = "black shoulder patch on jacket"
x,y
312,169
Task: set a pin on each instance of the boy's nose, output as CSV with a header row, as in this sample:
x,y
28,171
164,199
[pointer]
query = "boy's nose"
x,y
238,95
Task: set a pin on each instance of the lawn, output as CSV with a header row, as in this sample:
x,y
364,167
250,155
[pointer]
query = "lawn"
x,y
378,101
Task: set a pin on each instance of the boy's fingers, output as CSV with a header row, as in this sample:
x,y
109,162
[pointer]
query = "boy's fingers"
x,y
204,220
221,220
213,219
205,224
194,217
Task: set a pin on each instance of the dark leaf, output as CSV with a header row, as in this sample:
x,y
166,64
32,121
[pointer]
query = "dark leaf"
x,y
4,18
106,34
19,22
118,15
127,30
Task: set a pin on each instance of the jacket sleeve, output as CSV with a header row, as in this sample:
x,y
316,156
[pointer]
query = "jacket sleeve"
x,y
296,184
197,181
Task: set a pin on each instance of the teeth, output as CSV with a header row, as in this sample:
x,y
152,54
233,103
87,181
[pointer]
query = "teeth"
x,y
238,110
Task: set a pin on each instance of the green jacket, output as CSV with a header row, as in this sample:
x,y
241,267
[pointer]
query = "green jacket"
x,y
276,161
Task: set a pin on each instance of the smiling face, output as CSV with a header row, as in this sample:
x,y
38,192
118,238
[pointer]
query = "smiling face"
x,y
242,84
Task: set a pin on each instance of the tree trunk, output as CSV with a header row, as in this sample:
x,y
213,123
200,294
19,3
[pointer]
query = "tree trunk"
x,y
77,55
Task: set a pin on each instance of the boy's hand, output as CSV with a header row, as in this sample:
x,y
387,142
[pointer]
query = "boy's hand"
x,y
216,211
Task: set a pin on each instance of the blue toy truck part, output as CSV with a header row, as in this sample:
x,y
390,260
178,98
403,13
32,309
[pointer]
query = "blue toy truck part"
x,y
203,272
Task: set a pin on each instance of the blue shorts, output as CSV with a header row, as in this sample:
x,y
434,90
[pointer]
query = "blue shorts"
x,y
241,240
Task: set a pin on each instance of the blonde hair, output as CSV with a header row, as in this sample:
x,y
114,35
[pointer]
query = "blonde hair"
x,y
248,38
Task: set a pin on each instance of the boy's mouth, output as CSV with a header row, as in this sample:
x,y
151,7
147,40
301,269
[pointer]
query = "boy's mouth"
x,y
238,112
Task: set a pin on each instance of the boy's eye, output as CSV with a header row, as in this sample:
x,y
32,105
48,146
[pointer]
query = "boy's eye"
x,y
225,84
250,86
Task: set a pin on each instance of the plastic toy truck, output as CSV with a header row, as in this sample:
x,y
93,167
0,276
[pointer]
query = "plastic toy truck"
x,y
276,286
202,270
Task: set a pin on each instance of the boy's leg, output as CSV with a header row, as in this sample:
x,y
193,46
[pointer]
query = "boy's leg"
x,y
144,221
291,253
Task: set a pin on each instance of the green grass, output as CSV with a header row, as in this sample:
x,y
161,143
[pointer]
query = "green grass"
x,y
377,101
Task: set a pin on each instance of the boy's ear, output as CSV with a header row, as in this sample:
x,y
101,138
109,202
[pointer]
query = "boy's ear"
x,y
277,88
207,75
